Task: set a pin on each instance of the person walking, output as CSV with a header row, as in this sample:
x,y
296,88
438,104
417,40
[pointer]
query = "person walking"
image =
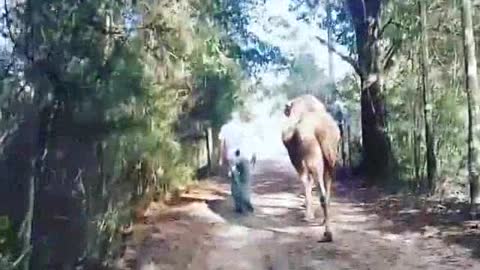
x,y
236,136
237,158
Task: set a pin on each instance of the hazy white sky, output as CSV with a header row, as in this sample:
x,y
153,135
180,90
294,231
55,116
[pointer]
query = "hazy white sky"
x,y
298,38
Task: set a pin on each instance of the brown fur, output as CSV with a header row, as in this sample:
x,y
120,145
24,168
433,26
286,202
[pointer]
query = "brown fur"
x,y
311,137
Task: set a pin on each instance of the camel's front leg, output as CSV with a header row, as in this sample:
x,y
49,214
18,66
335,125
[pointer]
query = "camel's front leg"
x,y
308,185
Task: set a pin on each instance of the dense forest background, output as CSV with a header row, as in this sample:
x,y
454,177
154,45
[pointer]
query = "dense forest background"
x,y
106,105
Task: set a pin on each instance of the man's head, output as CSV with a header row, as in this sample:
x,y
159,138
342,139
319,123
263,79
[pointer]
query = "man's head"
x,y
245,116
287,109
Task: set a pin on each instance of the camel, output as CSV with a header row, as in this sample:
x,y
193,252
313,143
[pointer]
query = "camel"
x,y
311,137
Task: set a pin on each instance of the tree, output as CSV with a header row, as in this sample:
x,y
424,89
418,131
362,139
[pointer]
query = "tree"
x,y
473,99
235,17
427,107
365,18
306,77
371,63
330,27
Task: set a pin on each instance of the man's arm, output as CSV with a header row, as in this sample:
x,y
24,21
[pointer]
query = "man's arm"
x,y
221,151
254,145
221,143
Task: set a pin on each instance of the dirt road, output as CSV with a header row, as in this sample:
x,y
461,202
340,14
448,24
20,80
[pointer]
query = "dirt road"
x,y
203,232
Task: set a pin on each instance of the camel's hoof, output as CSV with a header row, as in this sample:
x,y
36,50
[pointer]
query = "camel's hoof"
x,y
327,237
308,218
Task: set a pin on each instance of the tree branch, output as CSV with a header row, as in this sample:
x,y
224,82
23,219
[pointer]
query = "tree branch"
x,y
297,6
391,22
392,51
339,35
8,25
9,66
312,3
342,56
384,27
21,257
8,22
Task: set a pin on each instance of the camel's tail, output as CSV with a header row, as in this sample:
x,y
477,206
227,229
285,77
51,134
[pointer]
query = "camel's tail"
x,y
329,155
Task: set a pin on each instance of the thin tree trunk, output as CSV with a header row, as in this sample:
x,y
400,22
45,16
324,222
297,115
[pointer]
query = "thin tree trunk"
x,y
331,75
416,143
215,150
349,145
473,99
416,126
25,232
342,145
209,142
26,229
417,148
426,88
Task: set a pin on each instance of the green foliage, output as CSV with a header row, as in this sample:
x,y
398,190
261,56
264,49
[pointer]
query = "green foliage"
x,y
400,42
304,77
404,98
254,54
8,244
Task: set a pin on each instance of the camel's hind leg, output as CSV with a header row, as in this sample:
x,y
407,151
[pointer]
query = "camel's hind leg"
x,y
328,178
317,171
308,185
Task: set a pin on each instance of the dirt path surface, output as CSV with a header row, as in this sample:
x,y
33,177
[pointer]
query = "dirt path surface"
x,y
370,231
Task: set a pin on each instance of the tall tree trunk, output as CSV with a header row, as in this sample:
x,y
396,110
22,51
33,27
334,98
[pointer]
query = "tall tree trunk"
x,y
416,148
416,127
377,156
332,91
426,88
215,149
377,152
417,142
349,145
342,145
416,123
331,75
26,230
473,99
47,117
208,139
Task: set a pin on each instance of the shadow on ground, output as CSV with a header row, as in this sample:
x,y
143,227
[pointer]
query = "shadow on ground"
x,y
411,213
395,214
